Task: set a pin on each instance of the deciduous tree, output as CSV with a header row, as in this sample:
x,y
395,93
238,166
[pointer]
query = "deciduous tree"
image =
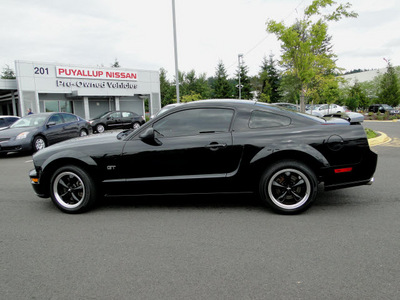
x,y
304,45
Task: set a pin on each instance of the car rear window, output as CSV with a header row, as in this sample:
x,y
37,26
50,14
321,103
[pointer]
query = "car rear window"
x,y
262,119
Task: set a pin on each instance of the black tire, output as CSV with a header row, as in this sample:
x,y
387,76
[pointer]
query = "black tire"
x,y
38,143
288,187
136,125
72,190
100,128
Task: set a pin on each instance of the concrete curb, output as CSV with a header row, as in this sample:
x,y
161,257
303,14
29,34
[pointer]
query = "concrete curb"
x,y
379,140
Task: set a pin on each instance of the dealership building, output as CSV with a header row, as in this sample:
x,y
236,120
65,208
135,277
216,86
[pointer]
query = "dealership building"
x,y
82,90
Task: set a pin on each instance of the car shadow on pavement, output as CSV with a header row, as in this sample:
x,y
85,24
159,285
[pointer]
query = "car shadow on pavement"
x,y
182,201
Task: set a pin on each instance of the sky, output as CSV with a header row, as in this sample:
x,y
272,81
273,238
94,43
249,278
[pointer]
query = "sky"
x,y
139,34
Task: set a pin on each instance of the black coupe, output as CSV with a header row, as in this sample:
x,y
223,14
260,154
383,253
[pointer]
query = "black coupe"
x,y
210,146
116,120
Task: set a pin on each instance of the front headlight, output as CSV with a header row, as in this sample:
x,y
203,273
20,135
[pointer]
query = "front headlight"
x,y
22,135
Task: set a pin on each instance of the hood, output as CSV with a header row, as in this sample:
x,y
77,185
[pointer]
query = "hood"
x,y
87,146
13,132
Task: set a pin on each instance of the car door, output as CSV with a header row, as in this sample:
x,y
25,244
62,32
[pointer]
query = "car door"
x,y
191,148
127,119
113,121
70,126
54,129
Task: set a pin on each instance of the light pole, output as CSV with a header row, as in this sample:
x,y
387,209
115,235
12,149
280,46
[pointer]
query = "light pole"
x,y
240,56
176,53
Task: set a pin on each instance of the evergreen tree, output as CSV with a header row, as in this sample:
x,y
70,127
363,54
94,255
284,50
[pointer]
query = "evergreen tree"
x,y
357,97
221,86
8,73
167,90
270,81
389,92
115,64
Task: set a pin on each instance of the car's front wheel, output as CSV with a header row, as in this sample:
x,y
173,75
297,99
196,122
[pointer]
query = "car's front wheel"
x,y
83,132
39,143
289,187
72,189
136,125
100,128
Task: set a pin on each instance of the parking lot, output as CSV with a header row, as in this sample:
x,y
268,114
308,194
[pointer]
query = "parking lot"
x,y
346,246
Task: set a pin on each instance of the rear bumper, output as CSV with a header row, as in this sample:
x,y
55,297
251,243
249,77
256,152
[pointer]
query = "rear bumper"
x,y
348,184
351,175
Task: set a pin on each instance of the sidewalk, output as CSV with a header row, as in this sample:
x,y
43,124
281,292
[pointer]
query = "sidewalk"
x,y
381,139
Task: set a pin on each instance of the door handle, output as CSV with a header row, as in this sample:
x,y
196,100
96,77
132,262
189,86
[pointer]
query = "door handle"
x,y
215,146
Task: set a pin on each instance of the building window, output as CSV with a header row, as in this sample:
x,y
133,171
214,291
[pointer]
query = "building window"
x,y
56,106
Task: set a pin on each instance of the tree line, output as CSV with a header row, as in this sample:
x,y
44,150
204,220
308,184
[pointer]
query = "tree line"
x,y
272,85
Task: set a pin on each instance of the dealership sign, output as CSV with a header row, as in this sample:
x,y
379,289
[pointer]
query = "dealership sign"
x,y
89,73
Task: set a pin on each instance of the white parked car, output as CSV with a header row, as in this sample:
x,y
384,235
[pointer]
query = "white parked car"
x,y
296,107
327,109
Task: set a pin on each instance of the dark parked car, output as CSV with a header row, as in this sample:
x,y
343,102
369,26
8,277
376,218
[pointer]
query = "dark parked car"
x,y
35,132
210,146
116,120
382,108
6,121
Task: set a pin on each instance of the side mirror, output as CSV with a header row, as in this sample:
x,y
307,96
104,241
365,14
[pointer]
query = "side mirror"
x,y
51,124
149,137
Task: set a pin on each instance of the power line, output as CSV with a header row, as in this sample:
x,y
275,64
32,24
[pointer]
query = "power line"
x,y
261,41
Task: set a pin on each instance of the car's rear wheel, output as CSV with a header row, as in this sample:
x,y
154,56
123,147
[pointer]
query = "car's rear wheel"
x,y
100,128
289,187
136,125
39,143
72,189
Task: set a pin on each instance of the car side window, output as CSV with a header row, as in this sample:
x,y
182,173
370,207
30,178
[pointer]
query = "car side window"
x,y
262,119
69,118
194,122
115,115
126,114
56,119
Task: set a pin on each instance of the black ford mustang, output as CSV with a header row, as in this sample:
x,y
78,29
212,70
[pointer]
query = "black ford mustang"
x,y
210,146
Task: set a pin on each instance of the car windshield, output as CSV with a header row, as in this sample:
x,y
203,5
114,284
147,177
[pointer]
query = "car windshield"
x,y
166,108
385,106
30,121
101,115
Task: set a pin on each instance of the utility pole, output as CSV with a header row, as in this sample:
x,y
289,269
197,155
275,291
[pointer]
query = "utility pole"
x,y
240,56
176,53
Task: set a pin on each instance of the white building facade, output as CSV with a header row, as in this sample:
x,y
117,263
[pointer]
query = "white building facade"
x,y
82,90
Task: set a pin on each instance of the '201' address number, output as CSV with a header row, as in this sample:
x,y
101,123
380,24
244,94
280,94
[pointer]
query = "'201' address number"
x,y
41,71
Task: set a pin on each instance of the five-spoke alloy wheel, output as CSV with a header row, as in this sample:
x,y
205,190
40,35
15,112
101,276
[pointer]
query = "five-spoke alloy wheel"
x,y
289,187
72,189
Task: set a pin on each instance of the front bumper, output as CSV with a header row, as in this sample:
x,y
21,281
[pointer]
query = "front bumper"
x,y
15,146
37,186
